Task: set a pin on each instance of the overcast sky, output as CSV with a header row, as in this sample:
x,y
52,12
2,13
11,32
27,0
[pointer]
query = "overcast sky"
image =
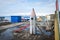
x,y
24,7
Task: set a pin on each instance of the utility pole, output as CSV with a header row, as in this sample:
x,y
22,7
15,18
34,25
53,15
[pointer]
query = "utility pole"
x,y
56,22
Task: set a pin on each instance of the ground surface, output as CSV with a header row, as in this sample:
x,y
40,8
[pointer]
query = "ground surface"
x,y
26,36
8,34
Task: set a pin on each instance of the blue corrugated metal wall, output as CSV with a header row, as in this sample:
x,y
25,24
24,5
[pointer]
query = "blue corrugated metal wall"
x,y
15,19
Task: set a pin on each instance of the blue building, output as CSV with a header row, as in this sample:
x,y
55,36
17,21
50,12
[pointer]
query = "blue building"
x,y
15,19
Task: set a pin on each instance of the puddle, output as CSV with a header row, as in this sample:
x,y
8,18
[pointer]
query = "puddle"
x,y
7,34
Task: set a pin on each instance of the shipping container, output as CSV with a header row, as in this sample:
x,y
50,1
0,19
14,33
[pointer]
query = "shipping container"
x,y
15,19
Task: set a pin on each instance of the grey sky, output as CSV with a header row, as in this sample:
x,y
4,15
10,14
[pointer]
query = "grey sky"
x,y
24,7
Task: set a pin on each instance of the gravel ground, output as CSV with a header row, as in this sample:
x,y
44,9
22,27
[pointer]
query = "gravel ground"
x,y
26,36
